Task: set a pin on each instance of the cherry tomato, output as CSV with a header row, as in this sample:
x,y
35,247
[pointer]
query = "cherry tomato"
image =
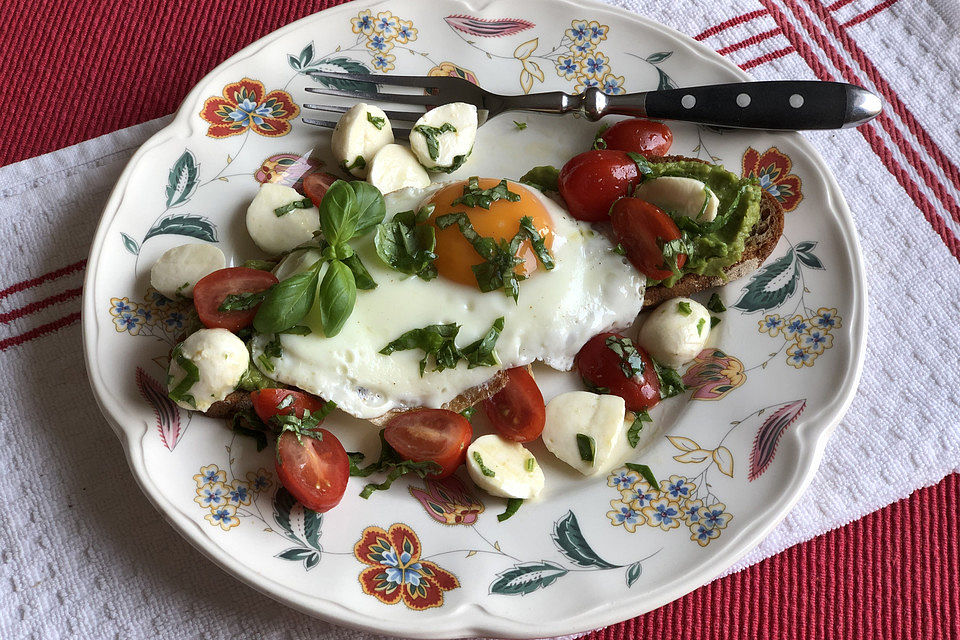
x,y
641,229
266,402
591,181
315,186
646,137
615,364
210,292
315,472
517,411
436,435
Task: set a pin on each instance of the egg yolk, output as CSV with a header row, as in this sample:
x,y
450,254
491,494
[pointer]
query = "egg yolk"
x,y
455,254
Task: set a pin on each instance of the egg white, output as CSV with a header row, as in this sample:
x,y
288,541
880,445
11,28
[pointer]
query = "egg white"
x,y
590,290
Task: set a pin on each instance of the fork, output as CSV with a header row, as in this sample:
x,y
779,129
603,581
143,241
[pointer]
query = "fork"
x,y
784,105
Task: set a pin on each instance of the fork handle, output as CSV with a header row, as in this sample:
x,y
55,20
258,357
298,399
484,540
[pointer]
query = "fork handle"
x,y
778,105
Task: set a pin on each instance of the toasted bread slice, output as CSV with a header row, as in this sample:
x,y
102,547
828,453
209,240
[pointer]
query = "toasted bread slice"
x,y
758,247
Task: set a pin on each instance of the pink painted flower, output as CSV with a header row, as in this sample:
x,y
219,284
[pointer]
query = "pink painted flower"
x,y
714,374
448,501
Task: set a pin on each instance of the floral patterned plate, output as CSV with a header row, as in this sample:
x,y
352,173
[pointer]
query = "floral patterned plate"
x,y
430,559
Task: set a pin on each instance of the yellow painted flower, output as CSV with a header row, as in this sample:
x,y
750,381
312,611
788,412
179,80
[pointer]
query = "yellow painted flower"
x,y
225,516
212,495
596,32
639,495
120,306
596,65
799,357
663,513
692,511
387,24
453,71
239,493
772,324
716,517
795,327
363,23
677,488
379,44
816,340
579,32
384,61
827,319
625,515
406,32
612,85
208,474
703,534
568,67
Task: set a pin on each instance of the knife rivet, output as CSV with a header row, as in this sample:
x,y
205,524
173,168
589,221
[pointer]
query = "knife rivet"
x,y
688,101
743,100
796,101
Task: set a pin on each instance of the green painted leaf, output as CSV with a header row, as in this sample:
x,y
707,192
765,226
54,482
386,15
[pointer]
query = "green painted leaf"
x,y
184,225
311,561
805,254
295,553
771,286
130,244
282,504
182,179
666,82
569,539
527,577
659,56
306,55
344,65
312,523
633,572
294,62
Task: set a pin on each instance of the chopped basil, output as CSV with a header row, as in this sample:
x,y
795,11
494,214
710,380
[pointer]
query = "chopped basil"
x,y
285,402
595,388
671,251
683,308
619,250
716,304
474,196
714,321
248,423
305,203
253,380
633,433
700,323
587,446
432,134
544,178
437,340
671,384
631,363
265,363
513,505
598,141
242,301
391,462
260,265
274,348
190,378
468,413
645,473
358,163
520,125
407,243
484,469
304,425
530,464
643,167
376,121
299,330
536,241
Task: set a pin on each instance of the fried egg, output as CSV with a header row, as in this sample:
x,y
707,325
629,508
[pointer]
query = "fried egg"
x,y
590,289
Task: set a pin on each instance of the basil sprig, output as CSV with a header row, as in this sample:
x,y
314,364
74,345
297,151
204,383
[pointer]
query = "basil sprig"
x,y
347,211
432,135
438,341
474,196
407,243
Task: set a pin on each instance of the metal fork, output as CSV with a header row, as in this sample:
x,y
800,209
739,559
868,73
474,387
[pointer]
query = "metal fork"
x,y
786,105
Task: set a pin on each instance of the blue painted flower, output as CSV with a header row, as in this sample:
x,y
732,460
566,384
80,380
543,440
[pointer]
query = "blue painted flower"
x,y
581,49
716,517
799,357
597,32
703,534
363,23
624,516
387,24
663,513
579,31
384,61
613,85
567,67
147,315
209,474
379,43
639,495
239,493
585,83
156,300
692,511
120,306
212,495
772,324
827,319
249,113
677,487
259,480
597,65
225,516
400,569
174,320
406,32
128,321
622,479
795,326
816,341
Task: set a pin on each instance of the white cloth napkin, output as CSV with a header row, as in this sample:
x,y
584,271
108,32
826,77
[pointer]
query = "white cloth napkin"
x,y
82,553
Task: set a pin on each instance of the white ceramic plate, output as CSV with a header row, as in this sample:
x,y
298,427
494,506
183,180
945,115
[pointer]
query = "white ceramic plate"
x,y
733,454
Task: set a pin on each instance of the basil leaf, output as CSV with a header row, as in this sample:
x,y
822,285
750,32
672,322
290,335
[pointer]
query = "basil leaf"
x,y
408,246
474,196
361,276
391,462
587,447
484,469
683,308
716,304
191,377
338,213
304,203
671,384
633,433
435,340
646,473
714,321
643,167
544,178
432,134
630,360
288,301
513,505
370,207
481,353
242,301
337,295
700,324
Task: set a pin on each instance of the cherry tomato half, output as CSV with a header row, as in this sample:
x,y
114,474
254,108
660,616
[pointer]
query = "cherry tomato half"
x,y
642,229
646,137
437,435
591,181
614,363
517,411
315,472
210,292
316,184
266,402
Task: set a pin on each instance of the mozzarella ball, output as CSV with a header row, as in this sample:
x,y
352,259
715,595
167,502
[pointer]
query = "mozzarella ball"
x,y
275,234
509,470
179,269
676,331
395,167
596,416
360,133
221,359
685,196
453,127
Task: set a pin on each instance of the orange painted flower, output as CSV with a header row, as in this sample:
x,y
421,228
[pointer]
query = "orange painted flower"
x,y
454,71
713,375
448,501
772,169
396,572
246,105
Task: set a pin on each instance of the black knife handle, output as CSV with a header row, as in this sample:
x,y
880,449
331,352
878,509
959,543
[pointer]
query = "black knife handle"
x,y
778,105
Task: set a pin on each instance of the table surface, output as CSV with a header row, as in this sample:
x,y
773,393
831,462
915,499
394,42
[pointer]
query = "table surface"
x,y
92,68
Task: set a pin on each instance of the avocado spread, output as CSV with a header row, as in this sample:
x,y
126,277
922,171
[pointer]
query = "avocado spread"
x,y
713,246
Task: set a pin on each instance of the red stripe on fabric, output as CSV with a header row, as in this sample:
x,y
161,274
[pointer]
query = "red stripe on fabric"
x,y
906,116
47,277
42,330
866,15
33,307
870,135
912,155
767,57
726,24
838,4
752,40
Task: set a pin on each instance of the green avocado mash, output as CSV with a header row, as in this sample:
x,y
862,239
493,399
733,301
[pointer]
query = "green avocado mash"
x,y
713,246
